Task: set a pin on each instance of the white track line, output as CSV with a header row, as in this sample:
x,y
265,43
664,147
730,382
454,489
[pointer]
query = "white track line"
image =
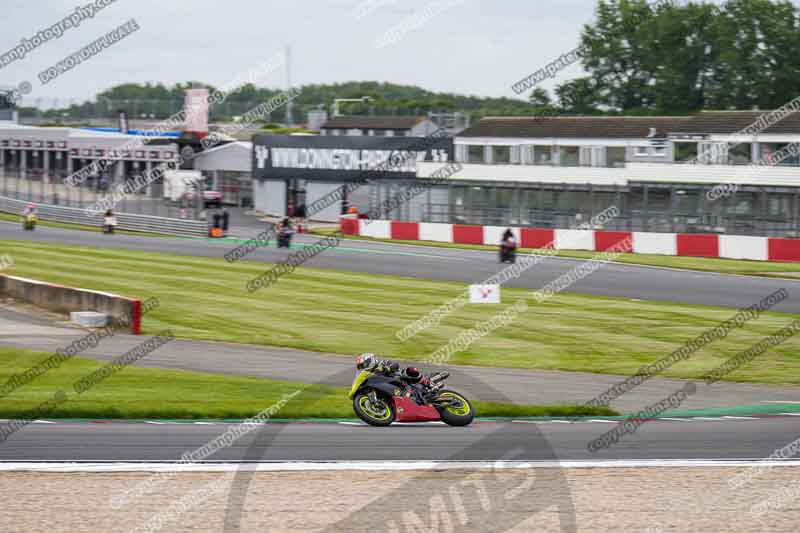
x,y
740,418
679,419
381,465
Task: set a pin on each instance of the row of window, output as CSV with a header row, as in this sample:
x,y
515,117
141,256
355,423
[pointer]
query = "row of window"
x,y
596,156
606,156
368,133
89,152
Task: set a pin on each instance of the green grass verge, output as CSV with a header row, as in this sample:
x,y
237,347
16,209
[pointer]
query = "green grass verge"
x,y
338,312
80,227
137,393
702,264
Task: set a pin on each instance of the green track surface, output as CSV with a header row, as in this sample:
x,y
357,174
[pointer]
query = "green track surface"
x,y
331,311
144,393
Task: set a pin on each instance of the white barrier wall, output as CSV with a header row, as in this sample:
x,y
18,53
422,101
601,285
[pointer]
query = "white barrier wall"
x,y
377,229
740,247
574,239
691,245
435,232
655,243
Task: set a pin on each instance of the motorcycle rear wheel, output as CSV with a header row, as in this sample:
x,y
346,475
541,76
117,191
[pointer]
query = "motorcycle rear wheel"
x,y
373,415
461,413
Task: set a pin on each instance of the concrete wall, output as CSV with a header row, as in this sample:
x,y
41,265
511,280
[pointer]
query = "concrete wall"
x,y
60,299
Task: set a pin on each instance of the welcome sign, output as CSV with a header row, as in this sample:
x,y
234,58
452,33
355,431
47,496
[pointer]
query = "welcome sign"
x,y
335,157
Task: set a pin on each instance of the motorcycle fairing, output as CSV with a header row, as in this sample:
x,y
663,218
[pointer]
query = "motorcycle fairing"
x,y
409,411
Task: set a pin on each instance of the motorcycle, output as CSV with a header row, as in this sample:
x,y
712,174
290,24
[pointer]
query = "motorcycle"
x,y
382,396
29,222
109,225
285,238
508,251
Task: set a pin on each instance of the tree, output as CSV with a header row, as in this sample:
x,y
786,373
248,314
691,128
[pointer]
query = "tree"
x,y
578,97
677,57
539,97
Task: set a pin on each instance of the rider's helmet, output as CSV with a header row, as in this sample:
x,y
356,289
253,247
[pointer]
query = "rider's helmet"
x,y
365,360
412,374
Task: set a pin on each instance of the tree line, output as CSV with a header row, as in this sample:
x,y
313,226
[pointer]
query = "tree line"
x,y
639,57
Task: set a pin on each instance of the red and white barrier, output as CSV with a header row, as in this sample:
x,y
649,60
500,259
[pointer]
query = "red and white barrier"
x,y
678,244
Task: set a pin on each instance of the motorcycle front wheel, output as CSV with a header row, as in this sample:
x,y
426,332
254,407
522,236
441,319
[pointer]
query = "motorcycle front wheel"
x,y
457,410
380,414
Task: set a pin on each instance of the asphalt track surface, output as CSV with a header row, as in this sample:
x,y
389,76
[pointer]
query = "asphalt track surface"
x,y
467,266
662,439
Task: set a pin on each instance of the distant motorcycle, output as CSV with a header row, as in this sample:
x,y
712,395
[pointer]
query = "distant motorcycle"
x,y
285,238
382,395
29,222
508,251
109,224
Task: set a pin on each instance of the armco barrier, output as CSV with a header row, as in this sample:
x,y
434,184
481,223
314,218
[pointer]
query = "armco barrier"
x,y
128,221
690,245
60,299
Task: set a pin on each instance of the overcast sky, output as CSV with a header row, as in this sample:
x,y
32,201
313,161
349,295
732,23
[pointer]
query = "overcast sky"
x,y
476,47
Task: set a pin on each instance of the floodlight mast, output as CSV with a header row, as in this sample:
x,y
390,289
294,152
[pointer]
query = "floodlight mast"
x,y
336,102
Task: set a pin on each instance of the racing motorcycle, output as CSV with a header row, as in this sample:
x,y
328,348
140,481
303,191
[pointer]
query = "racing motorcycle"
x,y
382,394
29,221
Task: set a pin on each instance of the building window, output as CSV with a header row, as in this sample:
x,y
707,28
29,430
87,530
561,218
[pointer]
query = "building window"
x,y
475,154
380,133
642,151
770,155
659,151
542,155
615,157
501,155
740,154
685,152
570,156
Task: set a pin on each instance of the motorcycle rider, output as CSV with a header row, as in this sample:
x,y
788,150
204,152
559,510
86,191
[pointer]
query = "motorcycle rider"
x,y
285,232
411,375
508,247
109,222
29,217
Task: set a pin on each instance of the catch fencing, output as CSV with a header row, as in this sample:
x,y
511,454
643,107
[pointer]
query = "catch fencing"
x,y
125,221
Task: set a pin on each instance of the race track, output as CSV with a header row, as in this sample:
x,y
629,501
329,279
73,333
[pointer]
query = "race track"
x,y
697,438
467,266
540,441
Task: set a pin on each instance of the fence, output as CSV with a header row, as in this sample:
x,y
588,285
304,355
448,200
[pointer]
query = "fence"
x,y
128,221
49,189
